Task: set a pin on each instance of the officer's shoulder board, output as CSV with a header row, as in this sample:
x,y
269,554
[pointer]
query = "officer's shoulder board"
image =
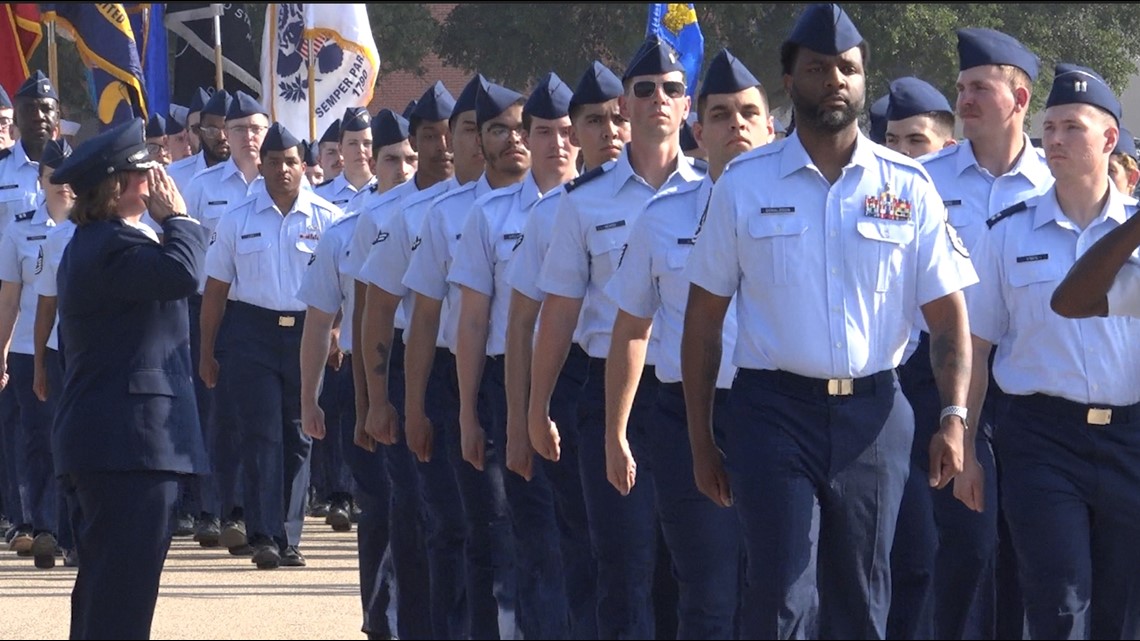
x,y
4,153
587,177
25,216
1007,212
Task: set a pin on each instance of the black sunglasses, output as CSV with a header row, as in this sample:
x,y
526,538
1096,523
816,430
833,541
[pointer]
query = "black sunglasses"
x,y
645,88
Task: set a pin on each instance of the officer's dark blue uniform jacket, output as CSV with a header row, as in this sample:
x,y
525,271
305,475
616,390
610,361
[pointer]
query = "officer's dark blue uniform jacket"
x,y
127,402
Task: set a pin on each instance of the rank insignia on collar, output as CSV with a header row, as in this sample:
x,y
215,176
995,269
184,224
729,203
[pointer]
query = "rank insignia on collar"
x,y
887,206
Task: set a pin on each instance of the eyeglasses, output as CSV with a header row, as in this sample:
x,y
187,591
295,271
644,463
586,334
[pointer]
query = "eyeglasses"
x,y
209,132
6,122
245,130
155,148
502,131
646,88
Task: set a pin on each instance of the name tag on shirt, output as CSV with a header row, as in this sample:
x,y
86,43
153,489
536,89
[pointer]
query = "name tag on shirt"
x,y
686,241
1032,259
613,225
217,202
310,235
34,238
951,203
256,234
8,186
777,210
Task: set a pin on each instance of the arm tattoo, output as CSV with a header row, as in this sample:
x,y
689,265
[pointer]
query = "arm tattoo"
x,y
381,368
949,361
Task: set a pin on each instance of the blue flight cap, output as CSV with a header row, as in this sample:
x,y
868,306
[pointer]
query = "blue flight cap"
x,y
912,96
120,148
155,126
436,104
978,46
727,74
310,153
1081,85
550,100
355,119
407,112
332,134
688,141
654,57
1126,144
243,106
826,29
388,128
173,127
278,138
597,85
199,99
54,153
5,101
492,101
218,104
878,117
37,86
466,99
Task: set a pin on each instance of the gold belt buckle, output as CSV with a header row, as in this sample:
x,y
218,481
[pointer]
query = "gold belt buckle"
x,y
840,386
1099,416
286,321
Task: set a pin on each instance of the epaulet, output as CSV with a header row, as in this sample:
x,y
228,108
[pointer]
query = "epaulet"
x,y
4,153
585,178
1006,213
325,183
25,216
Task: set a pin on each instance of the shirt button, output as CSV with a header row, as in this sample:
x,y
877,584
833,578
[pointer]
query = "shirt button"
x,y
839,346
834,233
834,271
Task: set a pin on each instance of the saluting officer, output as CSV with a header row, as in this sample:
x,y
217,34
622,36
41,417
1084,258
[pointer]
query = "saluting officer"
x,y
995,167
830,237
387,248
1068,443
21,256
589,234
600,131
257,259
651,291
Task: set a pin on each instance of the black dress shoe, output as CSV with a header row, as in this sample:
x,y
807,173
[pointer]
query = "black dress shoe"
x,y
183,525
266,555
319,509
232,534
71,558
291,557
208,531
43,550
339,517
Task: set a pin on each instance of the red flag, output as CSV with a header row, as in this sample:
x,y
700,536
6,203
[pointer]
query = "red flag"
x,y
20,34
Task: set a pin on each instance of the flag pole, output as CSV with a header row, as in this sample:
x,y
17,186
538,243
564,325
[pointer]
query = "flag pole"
x,y
218,79
312,91
53,58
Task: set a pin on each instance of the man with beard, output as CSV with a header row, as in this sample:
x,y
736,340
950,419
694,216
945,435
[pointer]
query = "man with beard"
x,y
831,245
260,252
215,147
37,119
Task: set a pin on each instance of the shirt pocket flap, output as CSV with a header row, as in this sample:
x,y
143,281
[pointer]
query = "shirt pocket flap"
x,y
886,231
678,256
151,381
1037,271
252,244
604,242
770,226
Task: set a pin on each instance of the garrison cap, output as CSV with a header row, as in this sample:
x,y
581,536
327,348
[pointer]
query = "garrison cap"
x,y
978,46
826,29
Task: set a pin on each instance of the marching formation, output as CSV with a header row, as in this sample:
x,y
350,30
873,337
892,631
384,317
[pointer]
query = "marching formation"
x,y
597,361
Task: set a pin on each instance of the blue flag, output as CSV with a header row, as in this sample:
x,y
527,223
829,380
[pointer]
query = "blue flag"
x,y
102,33
150,38
676,23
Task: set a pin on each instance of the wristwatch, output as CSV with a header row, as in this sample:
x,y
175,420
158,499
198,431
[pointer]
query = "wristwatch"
x,y
954,410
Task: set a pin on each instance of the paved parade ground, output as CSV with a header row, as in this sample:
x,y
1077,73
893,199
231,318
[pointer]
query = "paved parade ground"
x,y
208,594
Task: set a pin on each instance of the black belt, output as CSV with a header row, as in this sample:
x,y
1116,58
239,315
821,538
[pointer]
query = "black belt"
x,y
804,386
284,320
677,389
1077,413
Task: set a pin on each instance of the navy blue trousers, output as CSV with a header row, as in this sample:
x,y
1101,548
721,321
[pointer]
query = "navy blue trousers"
x,y
41,497
331,478
817,482
14,483
623,529
943,558
703,539
263,359
1071,493
114,596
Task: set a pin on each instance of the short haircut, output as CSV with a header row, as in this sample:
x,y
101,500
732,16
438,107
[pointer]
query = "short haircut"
x,y
1016,77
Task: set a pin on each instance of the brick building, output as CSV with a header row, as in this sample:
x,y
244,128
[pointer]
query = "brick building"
x,y
395,90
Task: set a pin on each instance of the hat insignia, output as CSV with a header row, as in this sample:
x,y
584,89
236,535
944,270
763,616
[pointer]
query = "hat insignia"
x,y
1080,86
